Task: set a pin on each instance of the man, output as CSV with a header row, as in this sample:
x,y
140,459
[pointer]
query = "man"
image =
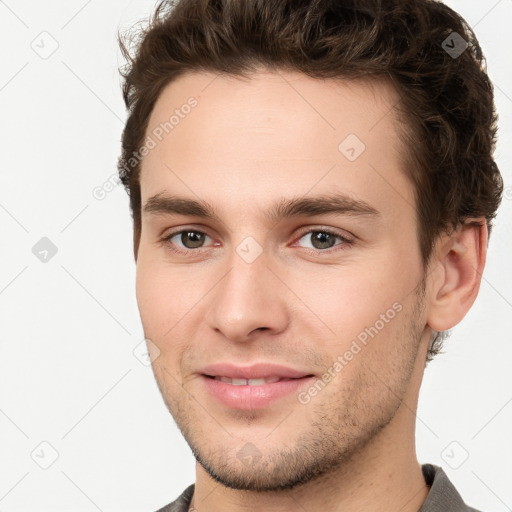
x,y
312,187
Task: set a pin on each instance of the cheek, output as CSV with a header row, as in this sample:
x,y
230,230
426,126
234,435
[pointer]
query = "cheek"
x,y
158,296
347,299
169,300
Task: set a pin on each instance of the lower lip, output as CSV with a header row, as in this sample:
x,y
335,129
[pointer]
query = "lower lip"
x,y
253,397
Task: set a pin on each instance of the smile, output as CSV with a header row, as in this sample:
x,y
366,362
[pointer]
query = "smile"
x,y
251,382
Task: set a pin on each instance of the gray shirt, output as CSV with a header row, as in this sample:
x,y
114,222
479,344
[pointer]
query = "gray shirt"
x,y
442,497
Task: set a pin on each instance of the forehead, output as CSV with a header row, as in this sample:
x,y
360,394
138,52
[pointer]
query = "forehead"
x,y
276,132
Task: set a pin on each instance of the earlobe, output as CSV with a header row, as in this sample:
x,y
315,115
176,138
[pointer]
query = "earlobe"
x,y
460,260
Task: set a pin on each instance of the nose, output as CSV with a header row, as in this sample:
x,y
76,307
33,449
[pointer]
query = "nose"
x,y
247,300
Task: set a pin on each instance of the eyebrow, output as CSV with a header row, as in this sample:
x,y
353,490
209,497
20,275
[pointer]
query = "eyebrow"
x,y
339,204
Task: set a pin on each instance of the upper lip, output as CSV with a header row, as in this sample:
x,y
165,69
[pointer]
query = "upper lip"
x,y
255,371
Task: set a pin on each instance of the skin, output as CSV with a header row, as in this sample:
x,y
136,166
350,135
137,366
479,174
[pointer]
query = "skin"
x,y
246,145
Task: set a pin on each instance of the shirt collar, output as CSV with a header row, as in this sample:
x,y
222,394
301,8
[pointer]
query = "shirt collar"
x,y
442,494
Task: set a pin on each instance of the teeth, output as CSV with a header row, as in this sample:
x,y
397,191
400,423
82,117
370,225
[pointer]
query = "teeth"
x,y
256,382
269,380
250,382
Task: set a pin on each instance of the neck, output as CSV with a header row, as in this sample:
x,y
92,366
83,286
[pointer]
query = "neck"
x,y
384,475
380,489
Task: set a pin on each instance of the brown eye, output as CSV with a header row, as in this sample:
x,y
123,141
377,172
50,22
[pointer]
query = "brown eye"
x,y
322,240
186,240
192,239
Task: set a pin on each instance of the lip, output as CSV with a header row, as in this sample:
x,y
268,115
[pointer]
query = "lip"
x,y
255,371
247,397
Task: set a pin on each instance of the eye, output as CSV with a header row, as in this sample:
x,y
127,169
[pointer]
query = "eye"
x,y
322,240
185,240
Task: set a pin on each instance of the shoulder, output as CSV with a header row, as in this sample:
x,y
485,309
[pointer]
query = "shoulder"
x,y
442,495
181,503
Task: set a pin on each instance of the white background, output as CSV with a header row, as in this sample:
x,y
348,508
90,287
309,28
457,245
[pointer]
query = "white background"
x,y
69,326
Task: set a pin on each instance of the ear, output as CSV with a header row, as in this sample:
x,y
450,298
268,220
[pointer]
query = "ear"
x,y
457,266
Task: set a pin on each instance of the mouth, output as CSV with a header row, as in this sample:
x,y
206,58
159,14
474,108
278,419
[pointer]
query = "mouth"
x,y
260,381
253,387
254,393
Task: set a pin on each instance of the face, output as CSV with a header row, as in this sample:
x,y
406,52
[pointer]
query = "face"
x,y
309,260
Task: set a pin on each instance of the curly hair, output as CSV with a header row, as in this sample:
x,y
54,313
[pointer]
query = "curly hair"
x,y
446,105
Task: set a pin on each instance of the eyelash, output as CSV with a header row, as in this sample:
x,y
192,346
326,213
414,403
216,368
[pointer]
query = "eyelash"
x,y
186,252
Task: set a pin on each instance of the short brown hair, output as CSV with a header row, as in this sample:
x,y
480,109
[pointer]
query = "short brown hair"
x,y
447,101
